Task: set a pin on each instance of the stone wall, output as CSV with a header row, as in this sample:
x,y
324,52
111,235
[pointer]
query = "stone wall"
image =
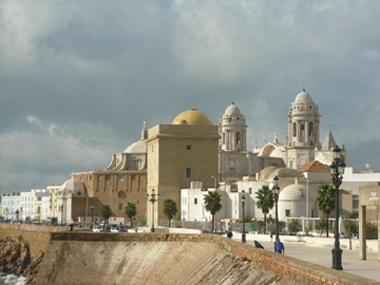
x,y
156,249
37,237
135,258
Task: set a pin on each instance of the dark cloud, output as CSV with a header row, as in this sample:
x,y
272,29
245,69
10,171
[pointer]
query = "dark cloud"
x,y
90,73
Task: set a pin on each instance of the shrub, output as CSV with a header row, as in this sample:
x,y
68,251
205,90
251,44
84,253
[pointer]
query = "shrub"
x,y
371,231
321,225
294,226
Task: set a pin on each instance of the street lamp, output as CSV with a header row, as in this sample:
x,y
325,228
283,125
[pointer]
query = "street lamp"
x,y
61,209
213,177
243,203
337,171
17,213
92,207
275,190
152,199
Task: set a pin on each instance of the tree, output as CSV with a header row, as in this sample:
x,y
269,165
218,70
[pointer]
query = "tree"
x,y
106,212
265,202
326,201
130,211
213,205
170,209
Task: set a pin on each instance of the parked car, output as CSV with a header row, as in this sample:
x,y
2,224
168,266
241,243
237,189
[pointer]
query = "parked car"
x,y
206,232
97,229
115,229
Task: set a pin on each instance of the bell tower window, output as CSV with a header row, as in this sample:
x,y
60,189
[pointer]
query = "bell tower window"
x,y
311,129
294,129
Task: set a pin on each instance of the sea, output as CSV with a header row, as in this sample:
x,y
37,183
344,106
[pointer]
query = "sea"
x,y
12,279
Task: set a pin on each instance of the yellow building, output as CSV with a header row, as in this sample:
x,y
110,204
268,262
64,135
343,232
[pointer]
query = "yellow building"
x,y
185,151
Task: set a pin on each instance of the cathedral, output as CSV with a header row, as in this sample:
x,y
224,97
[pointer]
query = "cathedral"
x,y
302,144
169,157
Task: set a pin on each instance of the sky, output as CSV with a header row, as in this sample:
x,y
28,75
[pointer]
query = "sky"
x,y
79,78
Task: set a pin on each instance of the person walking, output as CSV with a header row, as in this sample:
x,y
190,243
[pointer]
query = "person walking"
x,y
279,246
229,234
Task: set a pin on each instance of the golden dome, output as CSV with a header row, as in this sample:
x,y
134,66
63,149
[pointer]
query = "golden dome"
x,y
192,117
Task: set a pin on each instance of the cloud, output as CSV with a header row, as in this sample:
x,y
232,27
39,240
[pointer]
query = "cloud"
x,y
85,75
51,151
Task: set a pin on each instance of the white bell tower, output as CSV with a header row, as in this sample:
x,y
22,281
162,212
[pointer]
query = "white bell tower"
x,y
303,131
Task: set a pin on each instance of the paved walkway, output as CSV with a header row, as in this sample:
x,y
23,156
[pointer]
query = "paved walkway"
x,y
351,263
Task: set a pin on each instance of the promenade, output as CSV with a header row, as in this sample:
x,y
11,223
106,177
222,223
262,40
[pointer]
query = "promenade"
x,y
351,263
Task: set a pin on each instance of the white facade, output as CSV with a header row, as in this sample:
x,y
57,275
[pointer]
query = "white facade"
x,y
11,203
27,201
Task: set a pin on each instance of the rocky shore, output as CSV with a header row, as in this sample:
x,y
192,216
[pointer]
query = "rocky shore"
x,y
15,258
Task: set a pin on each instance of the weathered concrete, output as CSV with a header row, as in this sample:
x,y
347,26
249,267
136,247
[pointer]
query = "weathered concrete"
x,y
109,258
73,258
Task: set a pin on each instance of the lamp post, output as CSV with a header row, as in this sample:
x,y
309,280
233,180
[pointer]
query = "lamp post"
x,y
92,207
17,214
337,171
243,204
275,190
213,177
152,199
61,209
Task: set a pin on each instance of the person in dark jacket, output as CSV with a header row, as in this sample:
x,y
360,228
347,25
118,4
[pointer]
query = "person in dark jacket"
x,y
279,246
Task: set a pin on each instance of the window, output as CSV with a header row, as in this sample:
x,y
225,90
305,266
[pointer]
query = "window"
x,y
188,172
120,207
195,201
355,201
294,129
224,138
311,129
121,177
135,164
188,147
108,177
237,138
287,213
250,191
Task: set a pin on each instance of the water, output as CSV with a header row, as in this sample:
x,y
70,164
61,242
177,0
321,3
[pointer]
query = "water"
x,y
12,279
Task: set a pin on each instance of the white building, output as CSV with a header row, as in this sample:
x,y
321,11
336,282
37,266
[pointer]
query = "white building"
x,y
11,203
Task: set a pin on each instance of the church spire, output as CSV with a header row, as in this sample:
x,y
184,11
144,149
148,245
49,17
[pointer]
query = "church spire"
x,y
144,132
329,142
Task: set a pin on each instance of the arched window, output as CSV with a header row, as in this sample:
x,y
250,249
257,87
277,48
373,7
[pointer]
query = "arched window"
x,y
135,164
294,129
311,129
237,138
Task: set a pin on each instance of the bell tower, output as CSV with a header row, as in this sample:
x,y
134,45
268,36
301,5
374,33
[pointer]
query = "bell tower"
x,y
303,130
233,130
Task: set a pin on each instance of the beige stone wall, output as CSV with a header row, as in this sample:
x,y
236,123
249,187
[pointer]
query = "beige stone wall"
x,y
169,156
105,188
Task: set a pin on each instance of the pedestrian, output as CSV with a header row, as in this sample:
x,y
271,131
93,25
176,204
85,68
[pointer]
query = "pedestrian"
x,y
271,236
279,246
258,245
229,234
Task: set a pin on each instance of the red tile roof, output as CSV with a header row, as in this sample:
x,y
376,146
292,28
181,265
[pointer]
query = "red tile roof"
x,y
314,166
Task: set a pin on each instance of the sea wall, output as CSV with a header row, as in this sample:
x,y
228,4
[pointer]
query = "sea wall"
x,y
141,258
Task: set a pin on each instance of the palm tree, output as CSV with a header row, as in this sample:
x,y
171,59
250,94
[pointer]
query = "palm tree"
x,y
170,209
106,212
130,211
213,205
326,201
264,202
